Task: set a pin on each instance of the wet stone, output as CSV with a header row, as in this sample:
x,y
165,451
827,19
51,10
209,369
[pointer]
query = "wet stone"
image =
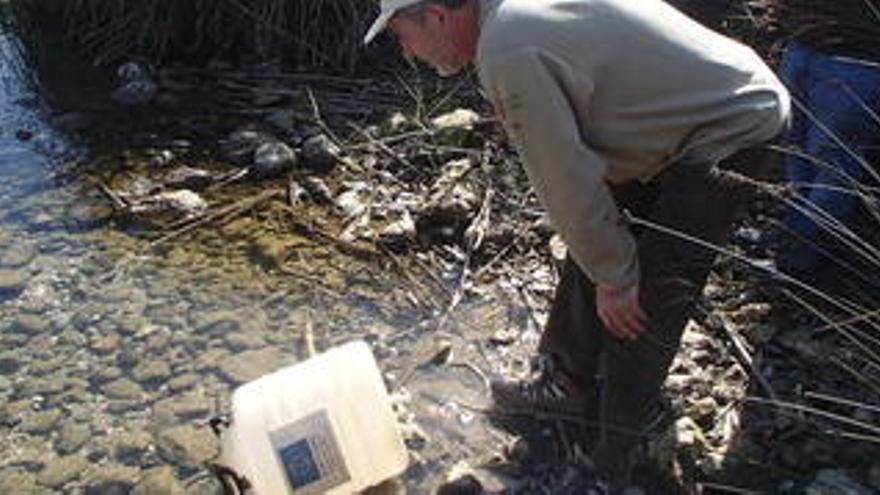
x,y
159,481
187,445
41,422
12,283
218,323
151,371
17,480
105,343
250,365
123,406
62,470
107,374
72,338
43,365
183,382
9,363
158,341
27,323
123,388
6,387
17,255
13,412
205,486
244,341
72,437
32,453
186,406
131,446
272,158
111,480
320,153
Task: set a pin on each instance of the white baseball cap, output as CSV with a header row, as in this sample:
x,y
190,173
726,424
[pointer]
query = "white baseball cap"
x,y
387,10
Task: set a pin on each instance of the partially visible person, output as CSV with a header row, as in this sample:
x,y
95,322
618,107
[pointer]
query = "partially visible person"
x,y
831,66
614,106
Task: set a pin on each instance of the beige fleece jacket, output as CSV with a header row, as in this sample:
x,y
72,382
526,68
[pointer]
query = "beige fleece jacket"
x,y
604,91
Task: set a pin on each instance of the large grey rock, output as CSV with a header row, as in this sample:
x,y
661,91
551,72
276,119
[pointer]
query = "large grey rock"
x,y
62,470
250,365
159,481
72,437
187,445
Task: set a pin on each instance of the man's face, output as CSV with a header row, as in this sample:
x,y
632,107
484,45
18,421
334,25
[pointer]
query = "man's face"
x,y
429,38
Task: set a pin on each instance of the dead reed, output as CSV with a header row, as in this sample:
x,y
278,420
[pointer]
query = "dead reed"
x,y
310,33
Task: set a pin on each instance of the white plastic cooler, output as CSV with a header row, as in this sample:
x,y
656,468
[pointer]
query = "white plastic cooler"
x,y
324,425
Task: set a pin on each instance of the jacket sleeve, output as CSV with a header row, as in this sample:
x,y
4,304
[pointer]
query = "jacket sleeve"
x,y
568,177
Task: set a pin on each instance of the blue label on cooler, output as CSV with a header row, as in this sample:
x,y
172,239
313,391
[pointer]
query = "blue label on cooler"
x,y
299,464
309,454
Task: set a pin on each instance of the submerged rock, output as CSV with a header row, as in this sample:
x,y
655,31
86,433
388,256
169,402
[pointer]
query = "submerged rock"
x,y
42,422
12,283
72,437
131,446
62,470
111,480
17,480
29,323
250,365
159,481
187,445
123,389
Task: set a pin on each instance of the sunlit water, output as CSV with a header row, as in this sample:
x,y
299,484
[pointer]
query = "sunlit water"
x,y
112,351
106,343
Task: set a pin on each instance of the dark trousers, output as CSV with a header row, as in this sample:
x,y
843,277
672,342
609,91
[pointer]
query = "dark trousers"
x,y
696,200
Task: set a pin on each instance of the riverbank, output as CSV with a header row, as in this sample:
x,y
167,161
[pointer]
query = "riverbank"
x,y
331,208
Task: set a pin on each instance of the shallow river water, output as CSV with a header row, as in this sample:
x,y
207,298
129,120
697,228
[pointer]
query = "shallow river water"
x,y
112,352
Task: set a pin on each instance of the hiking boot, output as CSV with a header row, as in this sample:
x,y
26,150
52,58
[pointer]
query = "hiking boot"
x,y
553,394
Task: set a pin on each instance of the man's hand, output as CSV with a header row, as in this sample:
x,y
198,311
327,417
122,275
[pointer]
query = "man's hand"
x,y
620,310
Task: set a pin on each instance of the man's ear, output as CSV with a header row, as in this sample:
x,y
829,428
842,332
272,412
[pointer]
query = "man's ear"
x,y
437,12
